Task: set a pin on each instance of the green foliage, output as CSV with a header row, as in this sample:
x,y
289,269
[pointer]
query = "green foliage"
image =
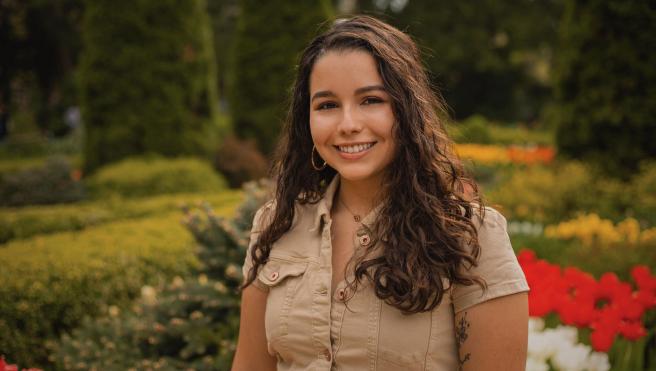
x,y
546,194
270,35
223,15
188,324
49,283
48,184
605,79
40,220
478,129
643,190
553,194
148,176
148,80
40,42
481,53
475,129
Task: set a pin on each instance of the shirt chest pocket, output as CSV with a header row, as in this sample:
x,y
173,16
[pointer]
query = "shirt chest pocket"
x,y
285,280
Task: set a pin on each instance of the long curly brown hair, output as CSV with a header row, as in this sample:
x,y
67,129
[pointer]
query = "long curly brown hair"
x,y
425,224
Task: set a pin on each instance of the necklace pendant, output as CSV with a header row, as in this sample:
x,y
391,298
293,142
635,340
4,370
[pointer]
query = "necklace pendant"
x,y
356,218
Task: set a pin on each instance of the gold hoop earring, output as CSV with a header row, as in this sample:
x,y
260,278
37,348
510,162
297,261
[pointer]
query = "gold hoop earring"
x,y
317,168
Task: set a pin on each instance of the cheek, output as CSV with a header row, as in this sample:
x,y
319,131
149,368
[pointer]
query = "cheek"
x,y
320,129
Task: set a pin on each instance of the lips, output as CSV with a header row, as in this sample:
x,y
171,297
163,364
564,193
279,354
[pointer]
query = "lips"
x,y
355,147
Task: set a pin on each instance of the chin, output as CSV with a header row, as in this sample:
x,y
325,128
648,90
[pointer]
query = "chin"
x,y
354,175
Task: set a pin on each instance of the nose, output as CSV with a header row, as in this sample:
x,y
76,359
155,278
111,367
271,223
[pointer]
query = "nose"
x,y
350,122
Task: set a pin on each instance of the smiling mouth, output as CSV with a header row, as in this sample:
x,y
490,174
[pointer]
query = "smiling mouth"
x,y
356,148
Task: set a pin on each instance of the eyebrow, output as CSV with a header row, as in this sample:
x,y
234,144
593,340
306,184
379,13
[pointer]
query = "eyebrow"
x,y
364,89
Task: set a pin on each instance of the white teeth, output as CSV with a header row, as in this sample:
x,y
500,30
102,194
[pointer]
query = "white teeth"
x,y
355,148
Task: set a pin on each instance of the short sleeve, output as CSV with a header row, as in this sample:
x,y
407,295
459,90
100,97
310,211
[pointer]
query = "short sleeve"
x,y
254,235
497,265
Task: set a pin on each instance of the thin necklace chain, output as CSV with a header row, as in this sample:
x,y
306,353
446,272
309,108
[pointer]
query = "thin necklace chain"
x,y
356,217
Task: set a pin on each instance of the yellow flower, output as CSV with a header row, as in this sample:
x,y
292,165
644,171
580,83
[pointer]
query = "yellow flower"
x,y
630,230
648,235
594,231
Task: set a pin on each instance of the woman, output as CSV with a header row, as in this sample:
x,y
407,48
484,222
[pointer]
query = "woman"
x,y
376,253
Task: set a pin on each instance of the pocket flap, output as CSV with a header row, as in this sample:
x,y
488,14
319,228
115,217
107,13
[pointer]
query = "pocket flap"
x,y
275,271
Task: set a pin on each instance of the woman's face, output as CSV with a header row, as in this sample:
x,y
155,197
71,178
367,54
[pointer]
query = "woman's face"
x,y
351,115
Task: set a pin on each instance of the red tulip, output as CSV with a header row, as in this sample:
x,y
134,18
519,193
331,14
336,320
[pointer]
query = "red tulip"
x,y
608,306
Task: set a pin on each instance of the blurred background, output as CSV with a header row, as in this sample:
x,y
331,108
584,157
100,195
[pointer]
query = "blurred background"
x,y
133,135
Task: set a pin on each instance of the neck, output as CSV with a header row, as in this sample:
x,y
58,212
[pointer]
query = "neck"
x,y
360,196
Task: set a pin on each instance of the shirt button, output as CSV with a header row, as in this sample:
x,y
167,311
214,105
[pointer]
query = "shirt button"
x,y
327,355
341,294
274,276
365,240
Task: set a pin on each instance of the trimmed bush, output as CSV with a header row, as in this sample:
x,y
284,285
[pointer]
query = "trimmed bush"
x,y
478,129
147,80
141,177
49,283
188,324
240,161
54,182
35,220
14,165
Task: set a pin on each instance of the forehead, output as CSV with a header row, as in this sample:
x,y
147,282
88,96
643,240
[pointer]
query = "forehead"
x,y
344,69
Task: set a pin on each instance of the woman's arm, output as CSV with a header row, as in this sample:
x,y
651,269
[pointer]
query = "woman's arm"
x,y
493,335
252,351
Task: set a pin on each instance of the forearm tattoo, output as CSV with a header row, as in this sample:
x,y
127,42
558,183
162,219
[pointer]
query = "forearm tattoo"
x,y
462,328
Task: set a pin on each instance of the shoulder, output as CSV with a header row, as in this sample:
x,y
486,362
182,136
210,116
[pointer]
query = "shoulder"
x,y
303,229
486,217
263,216
492,229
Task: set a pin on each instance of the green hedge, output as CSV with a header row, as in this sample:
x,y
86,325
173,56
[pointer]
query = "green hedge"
x,y
478,129
12,165
188,324
51,183
49,283
18,223
148,176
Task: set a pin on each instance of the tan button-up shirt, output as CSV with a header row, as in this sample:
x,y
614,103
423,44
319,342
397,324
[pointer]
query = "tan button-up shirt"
x,y
307,328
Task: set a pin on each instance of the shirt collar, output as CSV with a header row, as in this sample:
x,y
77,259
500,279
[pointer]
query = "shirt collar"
x,y
326,202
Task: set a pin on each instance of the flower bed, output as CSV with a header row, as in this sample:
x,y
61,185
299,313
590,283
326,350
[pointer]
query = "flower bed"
x,y
613,315
592,230
4,366
495,154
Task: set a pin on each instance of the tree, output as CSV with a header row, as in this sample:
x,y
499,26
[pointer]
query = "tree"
x,y
480,54
270,36
39,44
605,83
148,80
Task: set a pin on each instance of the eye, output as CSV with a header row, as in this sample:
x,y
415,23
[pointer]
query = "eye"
x,y
326,105
371,100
